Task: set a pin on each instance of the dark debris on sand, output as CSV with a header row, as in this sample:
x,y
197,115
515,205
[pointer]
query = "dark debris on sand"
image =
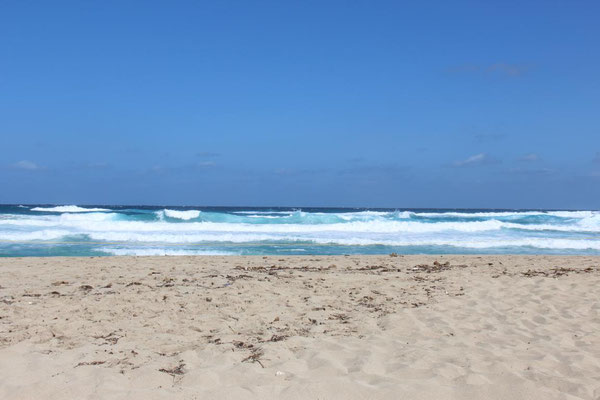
x,y
254,357
435,267
557,272
175,371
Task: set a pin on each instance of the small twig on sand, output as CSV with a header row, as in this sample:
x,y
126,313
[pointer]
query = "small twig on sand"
x,y
178,370
90,363
257,353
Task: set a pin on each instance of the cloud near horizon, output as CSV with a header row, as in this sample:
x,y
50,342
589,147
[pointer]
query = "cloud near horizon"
x,y
530,157
533,171
475,160
26,165
508,69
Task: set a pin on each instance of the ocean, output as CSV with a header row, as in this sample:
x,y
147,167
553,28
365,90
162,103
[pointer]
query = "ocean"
x,y
69,230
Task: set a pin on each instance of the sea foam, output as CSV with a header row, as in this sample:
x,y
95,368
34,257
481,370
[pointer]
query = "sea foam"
x,y
184,215
293,231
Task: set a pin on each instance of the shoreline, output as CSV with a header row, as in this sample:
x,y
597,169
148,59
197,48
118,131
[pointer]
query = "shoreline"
x,y
311,257
355,326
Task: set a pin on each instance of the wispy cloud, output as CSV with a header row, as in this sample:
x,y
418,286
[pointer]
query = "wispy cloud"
x,y
26,165
532,171
531,157
508,69
597,158
476,160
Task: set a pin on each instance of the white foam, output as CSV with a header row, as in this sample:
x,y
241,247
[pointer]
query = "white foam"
x,y
160,252
573,214
352,227
540,243
590,223
46,234
188,237
403,214
500,214
114,222
262,212
475,243
576,232
90,217
68,209
183,215
267,216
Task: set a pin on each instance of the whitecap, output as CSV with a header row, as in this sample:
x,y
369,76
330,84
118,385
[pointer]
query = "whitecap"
x,y
185,215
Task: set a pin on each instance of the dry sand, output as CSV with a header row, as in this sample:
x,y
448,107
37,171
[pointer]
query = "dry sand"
x,y
344,327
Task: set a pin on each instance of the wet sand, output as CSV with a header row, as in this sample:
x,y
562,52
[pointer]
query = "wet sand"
x,y
317,327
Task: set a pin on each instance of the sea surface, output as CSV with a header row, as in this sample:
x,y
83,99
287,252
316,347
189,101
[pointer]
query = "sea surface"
x,y
70,230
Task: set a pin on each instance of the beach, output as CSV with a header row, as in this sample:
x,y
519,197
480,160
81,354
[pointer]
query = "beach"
x,y
300,327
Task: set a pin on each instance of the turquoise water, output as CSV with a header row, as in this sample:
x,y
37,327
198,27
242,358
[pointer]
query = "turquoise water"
x,y
27,230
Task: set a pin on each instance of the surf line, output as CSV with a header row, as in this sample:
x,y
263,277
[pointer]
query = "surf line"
x,y
212,244
138,244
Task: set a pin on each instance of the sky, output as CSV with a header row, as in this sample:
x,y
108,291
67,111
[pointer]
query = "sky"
x,y
462,104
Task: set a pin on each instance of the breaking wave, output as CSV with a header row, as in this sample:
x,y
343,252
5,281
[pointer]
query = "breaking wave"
x,y
155,231
184,215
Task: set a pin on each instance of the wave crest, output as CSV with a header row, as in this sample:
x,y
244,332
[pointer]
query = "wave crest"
x,y
185,215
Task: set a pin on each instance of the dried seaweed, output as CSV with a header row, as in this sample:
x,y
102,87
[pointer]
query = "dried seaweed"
x,y
175,371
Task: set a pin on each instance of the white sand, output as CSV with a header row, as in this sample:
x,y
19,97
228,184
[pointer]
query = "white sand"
x,y
357,327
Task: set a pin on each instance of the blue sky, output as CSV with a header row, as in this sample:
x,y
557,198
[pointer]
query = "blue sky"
x,y
312,103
